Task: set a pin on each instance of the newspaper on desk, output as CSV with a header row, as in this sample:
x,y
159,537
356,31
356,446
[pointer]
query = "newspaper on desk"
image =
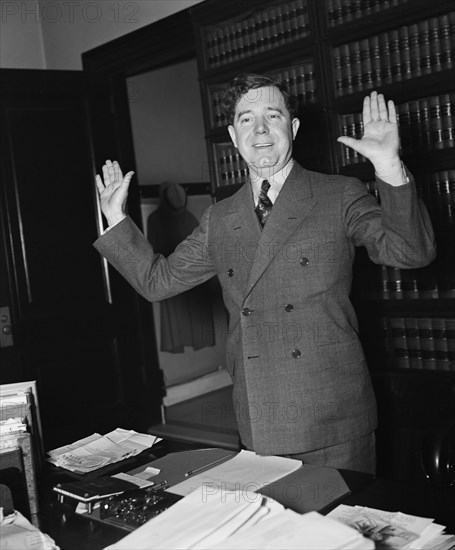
x,y
96,451
394,530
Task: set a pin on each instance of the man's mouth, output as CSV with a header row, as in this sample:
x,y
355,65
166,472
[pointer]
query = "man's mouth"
x,y
261,145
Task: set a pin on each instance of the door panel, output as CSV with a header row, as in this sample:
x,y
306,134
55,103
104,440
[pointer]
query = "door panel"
x,y
76,324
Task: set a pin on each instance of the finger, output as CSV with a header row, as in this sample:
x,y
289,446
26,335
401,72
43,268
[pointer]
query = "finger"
x,y
118,171
366,111
374,106
110,168
115,168
99,183
106,177
127,179
349,142
382,109
392,111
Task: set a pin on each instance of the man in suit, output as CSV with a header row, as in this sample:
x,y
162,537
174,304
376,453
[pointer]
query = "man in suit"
x,y
301,386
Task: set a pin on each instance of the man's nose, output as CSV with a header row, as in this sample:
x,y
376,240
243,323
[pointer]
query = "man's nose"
x,y
261,127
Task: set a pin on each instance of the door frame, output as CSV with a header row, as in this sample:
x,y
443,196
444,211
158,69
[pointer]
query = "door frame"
x,y
151,47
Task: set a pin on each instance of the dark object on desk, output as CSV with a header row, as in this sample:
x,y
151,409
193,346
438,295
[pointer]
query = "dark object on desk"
x,y
91,491
310,488
134,508
413,408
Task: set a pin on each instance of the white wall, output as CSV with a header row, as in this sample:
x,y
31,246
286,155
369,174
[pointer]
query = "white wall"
x,y
53,34
21,39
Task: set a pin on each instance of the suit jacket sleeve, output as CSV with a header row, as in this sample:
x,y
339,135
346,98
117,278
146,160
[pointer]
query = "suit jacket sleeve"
x,y
399,233
152,275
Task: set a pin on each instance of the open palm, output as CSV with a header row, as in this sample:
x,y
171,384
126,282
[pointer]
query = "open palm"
x,y
380,141
113,191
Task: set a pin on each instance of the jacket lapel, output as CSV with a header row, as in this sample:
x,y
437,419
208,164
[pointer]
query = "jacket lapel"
x,y
242,238
293,204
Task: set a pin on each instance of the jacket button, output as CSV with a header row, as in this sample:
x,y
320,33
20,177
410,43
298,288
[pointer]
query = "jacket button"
x,y
289,308
247,311
296,353
230,272
304,261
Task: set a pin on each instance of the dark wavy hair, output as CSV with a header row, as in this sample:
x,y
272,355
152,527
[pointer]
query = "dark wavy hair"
x,y
242,84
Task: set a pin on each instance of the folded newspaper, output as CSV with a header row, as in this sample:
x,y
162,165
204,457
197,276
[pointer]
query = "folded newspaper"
x,y
96,451
394,530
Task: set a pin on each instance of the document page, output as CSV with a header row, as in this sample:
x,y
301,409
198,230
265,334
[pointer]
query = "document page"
x,y
247,471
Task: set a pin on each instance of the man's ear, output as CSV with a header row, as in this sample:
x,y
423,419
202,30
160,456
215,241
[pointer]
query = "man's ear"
x,y
295,126
232,134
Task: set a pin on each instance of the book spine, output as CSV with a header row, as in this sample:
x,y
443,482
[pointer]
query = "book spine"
x,y
338,71
347,81
446,43
405,53
376,63
427,344
404,120
366,67
435,123
413,343
386,63
435,43
425,131
399,343
446,102
440,344
450,334
384,284
425,50
395,282
395,56
414,50
355,66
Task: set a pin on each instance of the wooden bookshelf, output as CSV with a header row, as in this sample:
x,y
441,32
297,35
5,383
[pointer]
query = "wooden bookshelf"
x,y
330,54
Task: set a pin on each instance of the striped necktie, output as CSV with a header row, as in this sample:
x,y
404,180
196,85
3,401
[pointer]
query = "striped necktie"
x,y
264,206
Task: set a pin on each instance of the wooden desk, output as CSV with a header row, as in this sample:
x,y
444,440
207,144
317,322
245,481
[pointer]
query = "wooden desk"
x,y
74,532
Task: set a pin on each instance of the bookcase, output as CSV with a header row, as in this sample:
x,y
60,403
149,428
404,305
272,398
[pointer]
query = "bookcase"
x,y
331,53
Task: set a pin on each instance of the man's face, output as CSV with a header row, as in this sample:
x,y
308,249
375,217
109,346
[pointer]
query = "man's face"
x,y
263,131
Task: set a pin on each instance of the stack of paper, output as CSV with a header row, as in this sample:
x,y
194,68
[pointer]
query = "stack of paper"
x,y
247,471
96,451
19,413
394,529
20,431
240,520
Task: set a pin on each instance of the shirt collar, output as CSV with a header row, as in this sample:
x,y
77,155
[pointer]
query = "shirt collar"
x,y
276,182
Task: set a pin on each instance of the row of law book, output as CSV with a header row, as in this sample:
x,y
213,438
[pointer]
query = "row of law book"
x,y
425,124
437,190
260,31
232,169
395,55
420,343
392,283
20,430
299,80
340,12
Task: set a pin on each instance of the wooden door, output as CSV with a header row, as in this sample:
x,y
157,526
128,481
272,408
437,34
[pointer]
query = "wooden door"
x,y
76,325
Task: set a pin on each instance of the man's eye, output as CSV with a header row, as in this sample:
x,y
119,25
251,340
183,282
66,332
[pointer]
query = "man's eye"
x,y
274,116
245,120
